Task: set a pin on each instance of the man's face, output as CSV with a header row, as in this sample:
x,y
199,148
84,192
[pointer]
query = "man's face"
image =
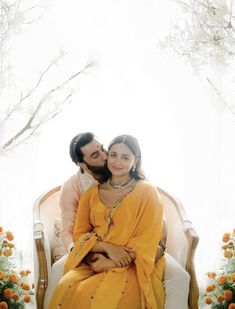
x,y
94,156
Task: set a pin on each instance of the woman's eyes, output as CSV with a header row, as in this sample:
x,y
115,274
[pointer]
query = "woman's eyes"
x,y
114,155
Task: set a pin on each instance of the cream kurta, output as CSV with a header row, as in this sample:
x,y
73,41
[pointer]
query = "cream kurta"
x,y
136,223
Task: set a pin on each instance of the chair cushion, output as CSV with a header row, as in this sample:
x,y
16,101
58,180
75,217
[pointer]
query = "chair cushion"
x,y
58,249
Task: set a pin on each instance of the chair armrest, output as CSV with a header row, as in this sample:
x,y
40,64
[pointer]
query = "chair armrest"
x,y
43,262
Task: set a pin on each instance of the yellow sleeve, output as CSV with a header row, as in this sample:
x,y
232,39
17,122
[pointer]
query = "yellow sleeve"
x,y
145,241
83,237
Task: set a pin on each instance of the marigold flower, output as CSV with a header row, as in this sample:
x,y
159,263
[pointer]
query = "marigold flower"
x,y
23,273
13,277
208,300
222,279
211,274
25,286
232,277
228,254
228,295
9,235
220,298
5,243
226,237
1,229
2,275
231,306
3,305
27,298
8,252
15,297
226,246
210,288
7,293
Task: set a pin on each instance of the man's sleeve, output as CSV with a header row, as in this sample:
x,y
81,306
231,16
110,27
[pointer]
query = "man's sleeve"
x,y
69,199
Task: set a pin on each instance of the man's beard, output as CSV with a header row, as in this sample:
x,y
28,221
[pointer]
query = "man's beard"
x,y
101,171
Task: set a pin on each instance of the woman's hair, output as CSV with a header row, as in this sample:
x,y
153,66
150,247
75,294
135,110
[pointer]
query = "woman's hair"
x,y
133,144
77,143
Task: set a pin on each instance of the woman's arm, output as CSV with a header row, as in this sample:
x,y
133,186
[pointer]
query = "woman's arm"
x,y
120,255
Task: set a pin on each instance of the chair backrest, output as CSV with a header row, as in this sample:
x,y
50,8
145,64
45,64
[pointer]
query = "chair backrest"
x,y
46,209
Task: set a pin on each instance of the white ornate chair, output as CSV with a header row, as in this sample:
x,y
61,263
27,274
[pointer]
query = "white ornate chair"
x,y
182,241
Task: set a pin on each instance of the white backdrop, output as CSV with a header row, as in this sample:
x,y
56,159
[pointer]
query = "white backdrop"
x,y
185,132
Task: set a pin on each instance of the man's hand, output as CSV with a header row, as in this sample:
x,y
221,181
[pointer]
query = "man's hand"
x,y
99,263
160,253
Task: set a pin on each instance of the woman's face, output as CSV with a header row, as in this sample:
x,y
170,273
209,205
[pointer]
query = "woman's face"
x,y
120,160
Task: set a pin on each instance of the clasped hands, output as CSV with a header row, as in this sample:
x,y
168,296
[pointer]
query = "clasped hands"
x,y
111,257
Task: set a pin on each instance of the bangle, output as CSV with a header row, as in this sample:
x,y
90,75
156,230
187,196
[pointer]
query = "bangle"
x,y
164,247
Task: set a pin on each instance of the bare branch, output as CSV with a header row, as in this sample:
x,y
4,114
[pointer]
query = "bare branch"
x,y
221,97
29,125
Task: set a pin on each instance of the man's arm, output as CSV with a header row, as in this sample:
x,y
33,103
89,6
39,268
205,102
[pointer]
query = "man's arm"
x,y
69,199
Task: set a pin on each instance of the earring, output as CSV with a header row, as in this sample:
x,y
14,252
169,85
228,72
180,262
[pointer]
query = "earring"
x,y
133,169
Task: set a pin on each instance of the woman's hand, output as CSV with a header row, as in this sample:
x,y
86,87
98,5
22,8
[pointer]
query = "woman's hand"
x,y
99,263
122,256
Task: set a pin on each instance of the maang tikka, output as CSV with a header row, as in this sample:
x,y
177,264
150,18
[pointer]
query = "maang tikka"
x,y
123,141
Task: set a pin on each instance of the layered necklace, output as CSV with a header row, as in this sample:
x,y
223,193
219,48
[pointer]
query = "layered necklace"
x,y
120,186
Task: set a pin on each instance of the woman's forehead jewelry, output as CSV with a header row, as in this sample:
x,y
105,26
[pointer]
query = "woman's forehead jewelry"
x,y
123,141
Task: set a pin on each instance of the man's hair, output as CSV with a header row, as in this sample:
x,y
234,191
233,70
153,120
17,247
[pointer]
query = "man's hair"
x,y
80,140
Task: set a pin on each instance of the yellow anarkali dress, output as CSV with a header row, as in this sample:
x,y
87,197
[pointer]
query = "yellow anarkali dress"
x,y
135,222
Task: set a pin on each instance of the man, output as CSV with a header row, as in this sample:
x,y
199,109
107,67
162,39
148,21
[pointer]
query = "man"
x,y
89,154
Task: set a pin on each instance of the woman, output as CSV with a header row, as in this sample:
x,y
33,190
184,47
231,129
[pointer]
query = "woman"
x,y
121,218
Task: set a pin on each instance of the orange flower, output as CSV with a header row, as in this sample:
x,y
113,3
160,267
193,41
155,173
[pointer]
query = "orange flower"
x,y
226,246
9,235
25,286
226,237
208,300
228,254
1,229
27,298
2,275
210,288
5,243
7,293
3,305
231,306
23,273
211,274
222,279
13,277
8,252
228,295
220,298
15,297
232,277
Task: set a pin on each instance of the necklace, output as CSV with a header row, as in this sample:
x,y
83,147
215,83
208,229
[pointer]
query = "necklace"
x,y
120,186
